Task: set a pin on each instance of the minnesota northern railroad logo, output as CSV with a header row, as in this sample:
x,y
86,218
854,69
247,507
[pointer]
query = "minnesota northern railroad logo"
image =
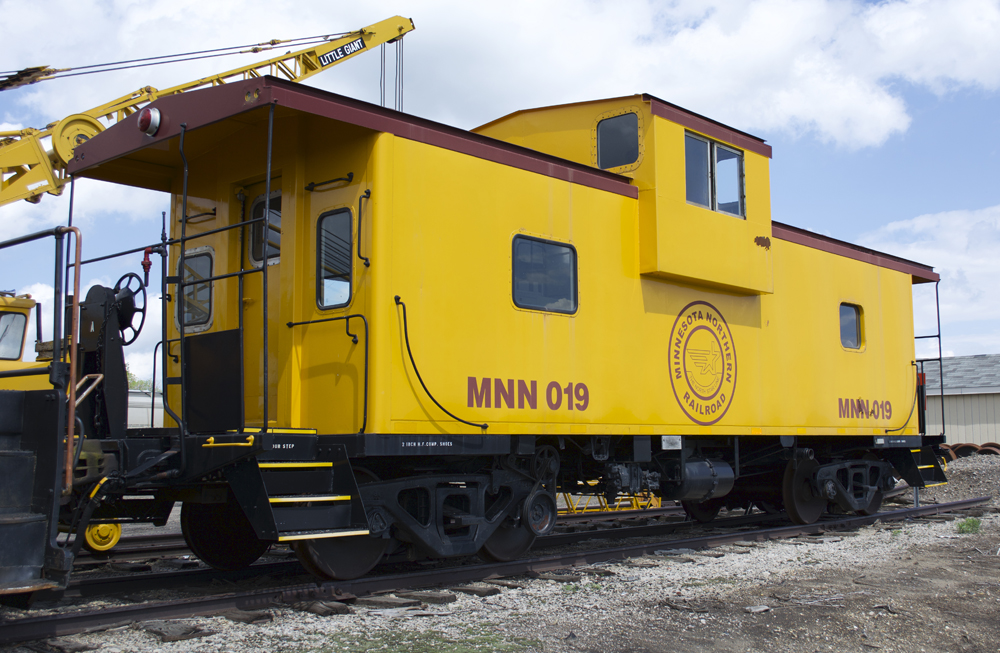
x,y
702,363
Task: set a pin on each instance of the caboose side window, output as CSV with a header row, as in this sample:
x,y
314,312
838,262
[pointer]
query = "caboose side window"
x,y
11,335
697,153
197,296
714,175
544,275
333,259
618,141
851,335
257,230
728,180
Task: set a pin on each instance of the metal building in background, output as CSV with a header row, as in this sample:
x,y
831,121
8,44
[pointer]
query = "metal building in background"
x,y
971,398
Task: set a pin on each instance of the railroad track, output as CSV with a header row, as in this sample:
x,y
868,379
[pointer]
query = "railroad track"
x,y
140,547
33,628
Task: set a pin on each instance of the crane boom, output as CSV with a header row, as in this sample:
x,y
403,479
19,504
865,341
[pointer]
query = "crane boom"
x,y
28,169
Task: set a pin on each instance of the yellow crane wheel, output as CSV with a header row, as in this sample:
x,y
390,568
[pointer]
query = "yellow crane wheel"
x,y
102,537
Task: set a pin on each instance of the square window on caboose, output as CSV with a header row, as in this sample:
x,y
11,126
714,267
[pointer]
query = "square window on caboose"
x,y
851,336
618,141
544,275
714,176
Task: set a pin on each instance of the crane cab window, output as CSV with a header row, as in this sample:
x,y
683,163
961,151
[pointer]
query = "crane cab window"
x,y
618,141
714,176
197,295
544,275
851,333
274,228
333,259
12,335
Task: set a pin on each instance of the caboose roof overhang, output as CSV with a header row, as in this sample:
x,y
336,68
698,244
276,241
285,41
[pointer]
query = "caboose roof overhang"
x,y
921,273
125,155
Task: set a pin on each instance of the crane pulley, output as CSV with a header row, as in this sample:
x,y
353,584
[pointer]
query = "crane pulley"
x,y
28,169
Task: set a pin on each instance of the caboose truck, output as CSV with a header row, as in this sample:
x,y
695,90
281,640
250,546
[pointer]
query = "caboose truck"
x,y
390,338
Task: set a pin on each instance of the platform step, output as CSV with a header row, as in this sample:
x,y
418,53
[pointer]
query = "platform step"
x,y
325,515
291,536
930,467
304,478
23,587
918,467
310,498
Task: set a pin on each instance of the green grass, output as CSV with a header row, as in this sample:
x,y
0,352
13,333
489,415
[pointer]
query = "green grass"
x,y
969,526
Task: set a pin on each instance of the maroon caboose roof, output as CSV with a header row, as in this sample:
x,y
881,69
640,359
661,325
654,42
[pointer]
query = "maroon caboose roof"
x,y
125,155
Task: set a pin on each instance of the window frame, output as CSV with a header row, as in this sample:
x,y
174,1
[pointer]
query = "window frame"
x,y
252,229
575,275
859,314
24,331
638,139
201,326
350,253
713,186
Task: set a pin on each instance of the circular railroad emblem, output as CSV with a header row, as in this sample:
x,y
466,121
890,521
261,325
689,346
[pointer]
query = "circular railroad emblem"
x,y
702,363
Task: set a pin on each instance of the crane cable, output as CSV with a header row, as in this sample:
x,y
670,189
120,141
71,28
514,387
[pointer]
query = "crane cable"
x,y
253,48
397,101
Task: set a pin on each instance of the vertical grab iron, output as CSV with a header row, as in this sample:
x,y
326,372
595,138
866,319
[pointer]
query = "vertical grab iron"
x,y
940,356
266,246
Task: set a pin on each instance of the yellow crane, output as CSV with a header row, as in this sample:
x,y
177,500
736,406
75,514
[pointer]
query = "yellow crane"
x,y
28,168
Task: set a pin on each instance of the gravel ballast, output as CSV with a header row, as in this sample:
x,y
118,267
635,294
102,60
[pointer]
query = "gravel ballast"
x,y
906,586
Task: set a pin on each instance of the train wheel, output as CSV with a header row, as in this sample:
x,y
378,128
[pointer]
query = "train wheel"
x,y
341,558
703,511
802,504
875,504
507,543
98,538
221,535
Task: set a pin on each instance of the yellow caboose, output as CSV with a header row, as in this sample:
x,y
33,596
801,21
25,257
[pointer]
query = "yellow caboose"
x,y
385,336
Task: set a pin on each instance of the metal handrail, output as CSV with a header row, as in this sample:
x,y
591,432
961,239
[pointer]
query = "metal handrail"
x,y
347,329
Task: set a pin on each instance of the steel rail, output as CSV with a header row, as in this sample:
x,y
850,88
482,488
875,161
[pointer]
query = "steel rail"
x,y
33,628
144,546
611,515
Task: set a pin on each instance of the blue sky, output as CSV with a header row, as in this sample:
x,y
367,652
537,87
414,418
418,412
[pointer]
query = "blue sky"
x,y
884,117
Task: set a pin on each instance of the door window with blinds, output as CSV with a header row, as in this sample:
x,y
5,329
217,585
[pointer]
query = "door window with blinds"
x,y
197,292
333,259
272,227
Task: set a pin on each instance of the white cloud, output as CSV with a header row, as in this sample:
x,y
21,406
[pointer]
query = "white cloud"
x,y
962,246
828,68
94,202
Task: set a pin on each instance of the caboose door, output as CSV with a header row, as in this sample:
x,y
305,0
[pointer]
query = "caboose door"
x,y
332,337
262,243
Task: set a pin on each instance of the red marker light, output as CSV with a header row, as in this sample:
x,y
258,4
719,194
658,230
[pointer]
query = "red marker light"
x,y
149,121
